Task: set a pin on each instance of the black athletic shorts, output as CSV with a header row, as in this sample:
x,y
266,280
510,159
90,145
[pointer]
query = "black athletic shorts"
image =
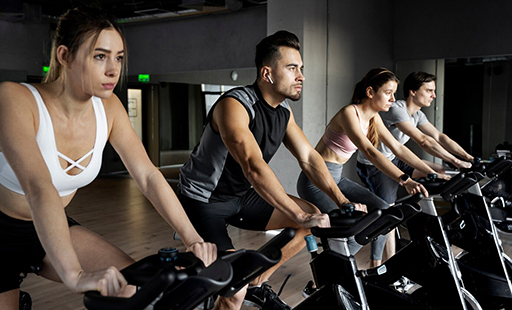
x,y
211,219
20,250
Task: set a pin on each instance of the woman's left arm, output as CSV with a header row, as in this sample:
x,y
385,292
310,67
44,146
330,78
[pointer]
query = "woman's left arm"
x,y
150,180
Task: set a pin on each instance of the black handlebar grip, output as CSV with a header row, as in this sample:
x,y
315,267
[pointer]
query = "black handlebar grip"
x,y
345,232
280,240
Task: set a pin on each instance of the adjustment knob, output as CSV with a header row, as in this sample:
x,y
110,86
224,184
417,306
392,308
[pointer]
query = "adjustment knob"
x,y
168,254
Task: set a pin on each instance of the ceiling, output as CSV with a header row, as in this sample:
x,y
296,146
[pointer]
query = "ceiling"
x,y
126,11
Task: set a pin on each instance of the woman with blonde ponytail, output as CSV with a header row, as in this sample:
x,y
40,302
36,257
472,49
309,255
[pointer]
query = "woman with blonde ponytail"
x,y
358,126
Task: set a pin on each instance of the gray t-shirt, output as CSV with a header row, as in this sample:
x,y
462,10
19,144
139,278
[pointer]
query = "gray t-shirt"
x,y
396,114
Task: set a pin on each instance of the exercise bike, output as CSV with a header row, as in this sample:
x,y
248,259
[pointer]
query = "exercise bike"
x,y
425,259
498,194
179,281
484,266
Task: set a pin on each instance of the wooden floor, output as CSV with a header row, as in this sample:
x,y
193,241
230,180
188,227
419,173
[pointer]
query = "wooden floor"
x,y
114,208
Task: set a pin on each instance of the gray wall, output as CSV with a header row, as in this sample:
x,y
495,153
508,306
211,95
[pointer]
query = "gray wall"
x,y
440,29
23,47
360,38
212,42
452,29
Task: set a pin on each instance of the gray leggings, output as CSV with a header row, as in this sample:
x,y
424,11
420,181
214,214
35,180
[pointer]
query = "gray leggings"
x,y
354,192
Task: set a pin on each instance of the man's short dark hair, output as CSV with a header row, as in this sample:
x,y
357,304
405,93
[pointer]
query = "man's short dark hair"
x,y
267,51
414,81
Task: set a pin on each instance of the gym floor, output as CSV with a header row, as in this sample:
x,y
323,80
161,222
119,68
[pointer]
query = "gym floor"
x,y
114,208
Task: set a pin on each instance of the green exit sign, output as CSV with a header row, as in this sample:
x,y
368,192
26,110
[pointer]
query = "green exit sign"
x,y
45,70
144,78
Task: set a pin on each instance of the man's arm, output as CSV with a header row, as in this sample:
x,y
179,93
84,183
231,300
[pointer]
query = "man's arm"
x,y
446,142
151,181
311,162
231,120
428,138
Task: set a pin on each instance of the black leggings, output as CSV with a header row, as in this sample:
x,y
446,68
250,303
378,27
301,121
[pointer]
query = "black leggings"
x,y
20,250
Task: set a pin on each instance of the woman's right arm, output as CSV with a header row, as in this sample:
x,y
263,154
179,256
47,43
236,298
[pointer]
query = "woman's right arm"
x,y
349,122
18,125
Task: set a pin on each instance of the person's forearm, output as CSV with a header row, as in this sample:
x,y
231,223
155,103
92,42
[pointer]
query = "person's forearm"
x,y
454,148
383,164
162,197
318,173
53,231
266,184
412,160
433,148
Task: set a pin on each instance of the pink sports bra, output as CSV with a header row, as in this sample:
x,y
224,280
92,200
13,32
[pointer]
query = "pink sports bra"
x,y
339,142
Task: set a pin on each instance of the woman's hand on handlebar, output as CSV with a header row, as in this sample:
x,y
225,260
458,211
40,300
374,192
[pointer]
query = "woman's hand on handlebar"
x,y
462,164
412,187
443,176
205,251
316,220
109,282
360,207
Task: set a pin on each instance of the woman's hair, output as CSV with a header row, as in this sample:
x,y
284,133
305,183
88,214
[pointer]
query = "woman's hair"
x,y
414,81
74,28
267,51
375,78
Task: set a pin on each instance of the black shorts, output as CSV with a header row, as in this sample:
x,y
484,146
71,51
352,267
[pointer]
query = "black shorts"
x,y
20,250
211,219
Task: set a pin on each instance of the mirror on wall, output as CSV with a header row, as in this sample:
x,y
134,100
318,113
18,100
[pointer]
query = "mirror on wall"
x,y
182,114
477,97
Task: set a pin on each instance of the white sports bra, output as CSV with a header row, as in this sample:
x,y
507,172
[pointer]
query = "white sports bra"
x,y
65,183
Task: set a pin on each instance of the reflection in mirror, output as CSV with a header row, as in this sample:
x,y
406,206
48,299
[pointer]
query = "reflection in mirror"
x,y
182,112
477,113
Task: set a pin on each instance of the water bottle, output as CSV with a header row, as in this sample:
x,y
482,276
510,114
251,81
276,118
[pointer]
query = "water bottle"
x,y
311,245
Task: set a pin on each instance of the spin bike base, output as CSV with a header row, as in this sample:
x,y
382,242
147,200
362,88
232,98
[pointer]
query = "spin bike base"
x,y
489,288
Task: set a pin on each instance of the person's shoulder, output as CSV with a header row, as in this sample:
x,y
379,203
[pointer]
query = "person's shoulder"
x,y
347,110
16,94
399,104
7,88
397,107
244,94
111,104
285,104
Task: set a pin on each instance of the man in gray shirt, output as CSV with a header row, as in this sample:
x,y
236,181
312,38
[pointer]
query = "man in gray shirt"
x,y
406,120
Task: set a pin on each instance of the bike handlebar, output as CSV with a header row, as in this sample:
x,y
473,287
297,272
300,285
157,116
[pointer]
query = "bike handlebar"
x,y
184,289
155,274
366,227
345,232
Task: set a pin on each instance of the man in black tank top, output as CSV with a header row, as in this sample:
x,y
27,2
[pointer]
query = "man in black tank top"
x,y
227,179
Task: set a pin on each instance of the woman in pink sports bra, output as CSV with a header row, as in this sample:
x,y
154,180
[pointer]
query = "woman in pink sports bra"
x,y
48,132
358,126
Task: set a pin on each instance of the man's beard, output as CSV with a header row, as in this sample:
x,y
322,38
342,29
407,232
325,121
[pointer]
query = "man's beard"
x,y
294,96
